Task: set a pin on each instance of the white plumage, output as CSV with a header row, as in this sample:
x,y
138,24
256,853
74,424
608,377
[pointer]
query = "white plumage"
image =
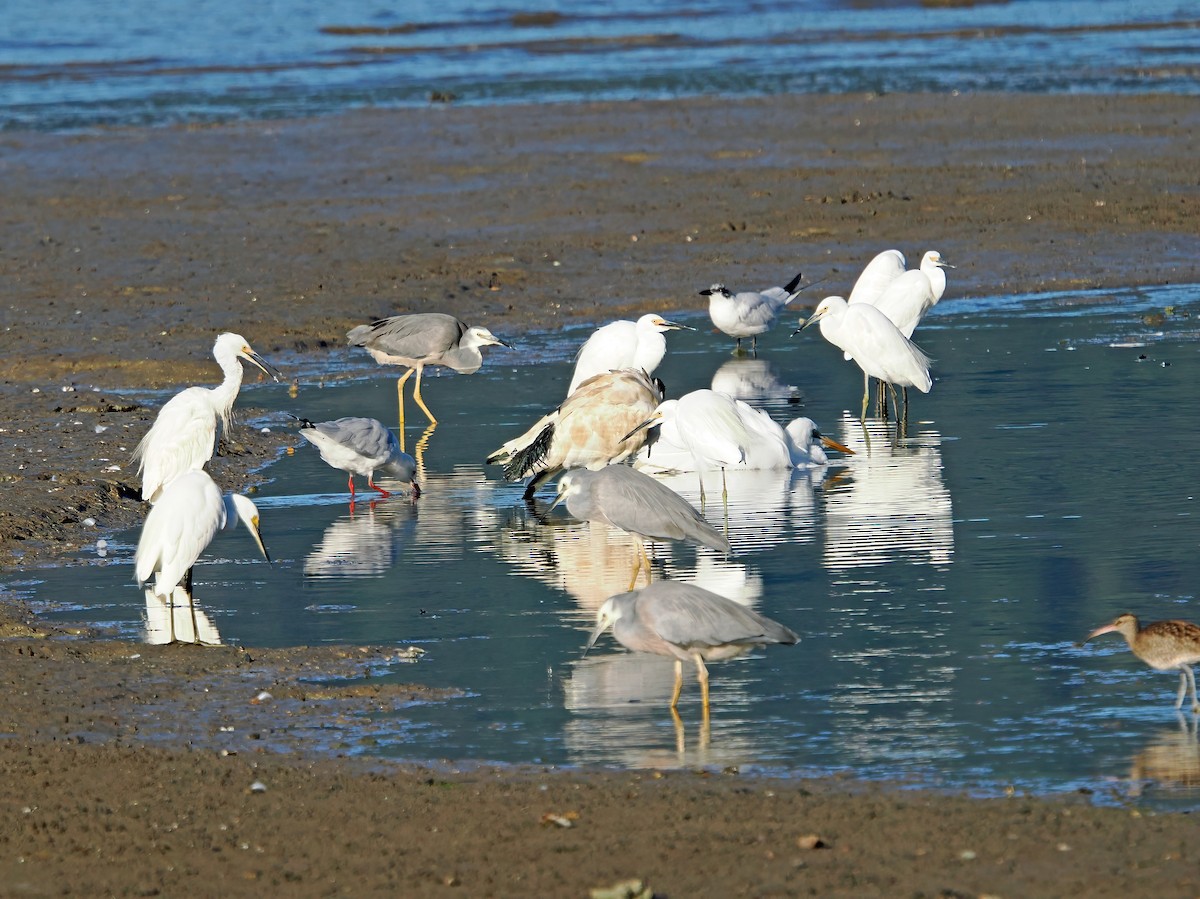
x,y
182,524
184,434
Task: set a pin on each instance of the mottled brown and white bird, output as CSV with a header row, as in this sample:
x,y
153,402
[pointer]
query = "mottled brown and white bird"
x,y
1164,646
595,426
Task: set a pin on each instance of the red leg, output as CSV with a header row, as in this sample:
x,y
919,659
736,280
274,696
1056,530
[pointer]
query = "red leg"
x,y
371,483
350,482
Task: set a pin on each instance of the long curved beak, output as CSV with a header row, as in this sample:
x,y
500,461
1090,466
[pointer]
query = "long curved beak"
x,y
833,444
558,499
267,368
1107,629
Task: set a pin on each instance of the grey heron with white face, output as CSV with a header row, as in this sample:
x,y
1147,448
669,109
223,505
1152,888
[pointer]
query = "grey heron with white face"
x,y
636,503
420,339
686,623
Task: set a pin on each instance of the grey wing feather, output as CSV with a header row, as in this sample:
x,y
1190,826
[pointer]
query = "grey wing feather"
x,y
637,503
365,436
686,614
413,336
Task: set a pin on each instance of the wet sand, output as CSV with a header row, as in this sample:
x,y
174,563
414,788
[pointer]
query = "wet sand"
x,y
122,253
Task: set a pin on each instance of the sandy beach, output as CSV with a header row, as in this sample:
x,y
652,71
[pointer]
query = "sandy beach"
x,y
123,253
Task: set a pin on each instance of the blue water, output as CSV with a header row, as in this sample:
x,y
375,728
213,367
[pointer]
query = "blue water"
x,y
73,64
939,581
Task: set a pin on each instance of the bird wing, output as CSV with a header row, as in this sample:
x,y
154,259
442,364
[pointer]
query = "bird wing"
x,y
411,336
876,276
688,615
637,503
179,527
906,300
612,346
183,438
594,420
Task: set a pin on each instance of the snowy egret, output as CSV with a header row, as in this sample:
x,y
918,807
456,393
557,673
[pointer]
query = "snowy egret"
x,y
182,523
687,623
184,434
634,502
1164,646
361,446
881,271
705,430
624,344
874,343
907,298
748,313
590,429
420,339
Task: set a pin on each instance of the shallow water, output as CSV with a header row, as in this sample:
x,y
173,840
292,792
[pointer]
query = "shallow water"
x,y
77,64
939,581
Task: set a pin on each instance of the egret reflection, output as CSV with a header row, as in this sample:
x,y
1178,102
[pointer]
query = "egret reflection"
x,y
892,505
175,619
746,378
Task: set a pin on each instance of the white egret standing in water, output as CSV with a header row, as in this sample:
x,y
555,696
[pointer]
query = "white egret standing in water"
x,y
874,343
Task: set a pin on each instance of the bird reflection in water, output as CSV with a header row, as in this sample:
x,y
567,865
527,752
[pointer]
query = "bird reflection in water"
x,y
892,505
365,541
751,379
590,561
175,619
1171,759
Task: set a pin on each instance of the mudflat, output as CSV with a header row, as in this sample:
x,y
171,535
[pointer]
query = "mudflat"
x,y
123,253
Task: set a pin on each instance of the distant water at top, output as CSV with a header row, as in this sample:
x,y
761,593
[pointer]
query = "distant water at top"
x,y
79,64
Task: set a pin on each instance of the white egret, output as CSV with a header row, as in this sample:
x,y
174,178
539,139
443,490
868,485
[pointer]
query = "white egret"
x,y
1163,645
748,313
184,434
624,344
876,275
362,446
590,429
420,339
182,523
874,343
705,430
631,501
908,297
687,623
